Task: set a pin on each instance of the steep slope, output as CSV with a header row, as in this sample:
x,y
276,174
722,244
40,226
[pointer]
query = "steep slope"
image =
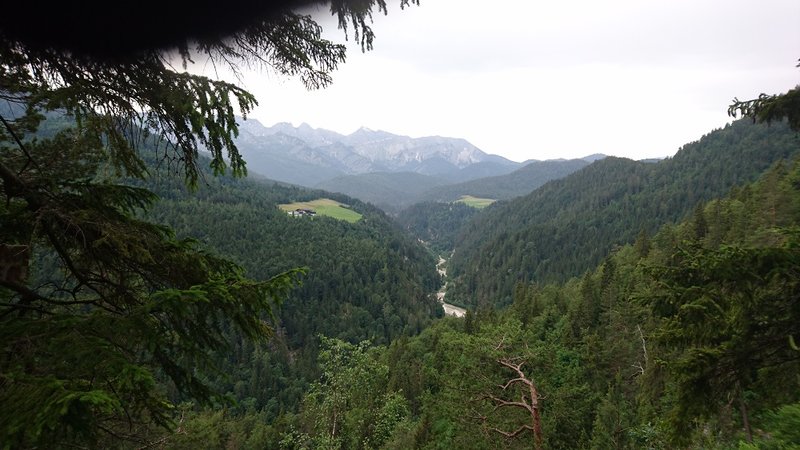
x,y
395,191
365,280
569,225
389,191
241,220
517,183
286,158
435,223
708,307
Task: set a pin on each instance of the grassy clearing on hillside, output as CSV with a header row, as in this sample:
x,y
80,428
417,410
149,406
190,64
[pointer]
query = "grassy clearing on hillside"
x,y
325,207
476,202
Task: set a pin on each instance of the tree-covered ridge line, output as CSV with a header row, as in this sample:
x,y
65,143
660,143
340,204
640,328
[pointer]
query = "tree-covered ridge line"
x,y
395,191
239,215
521,182
684,339
566,226
388,191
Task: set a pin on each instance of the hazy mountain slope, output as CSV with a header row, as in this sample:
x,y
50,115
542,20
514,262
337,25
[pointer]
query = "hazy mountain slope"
x,y
388,191
569,225
482,170
286,158
395,191
517,183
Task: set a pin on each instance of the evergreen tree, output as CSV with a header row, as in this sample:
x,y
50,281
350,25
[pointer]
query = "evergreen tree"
x,y
730,312
114,303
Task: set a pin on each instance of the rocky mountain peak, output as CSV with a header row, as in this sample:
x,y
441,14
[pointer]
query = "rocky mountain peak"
x,y
363,151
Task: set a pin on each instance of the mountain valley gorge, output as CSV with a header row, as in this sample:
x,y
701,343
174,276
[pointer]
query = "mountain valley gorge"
x,y
591,281
580,284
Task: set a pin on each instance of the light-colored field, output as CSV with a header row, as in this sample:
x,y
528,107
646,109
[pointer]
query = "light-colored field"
x,y
476,202
325,207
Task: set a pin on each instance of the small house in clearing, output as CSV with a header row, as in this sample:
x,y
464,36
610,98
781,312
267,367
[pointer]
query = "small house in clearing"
x,y
302,212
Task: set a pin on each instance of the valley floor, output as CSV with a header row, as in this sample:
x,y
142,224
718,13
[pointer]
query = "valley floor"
x,y
450,310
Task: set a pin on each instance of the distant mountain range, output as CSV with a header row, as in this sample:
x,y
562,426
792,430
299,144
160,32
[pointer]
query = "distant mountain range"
x,y
309,156
390,170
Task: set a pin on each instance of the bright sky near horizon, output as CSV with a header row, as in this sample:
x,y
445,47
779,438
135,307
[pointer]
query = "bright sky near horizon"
x,y
558,79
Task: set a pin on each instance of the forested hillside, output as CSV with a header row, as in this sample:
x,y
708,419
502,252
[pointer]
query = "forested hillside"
x,y
393,192
365,281
388,191
437,224
567,226
502,187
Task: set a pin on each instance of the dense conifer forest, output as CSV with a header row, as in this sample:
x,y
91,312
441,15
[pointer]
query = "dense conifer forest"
x,y
153,297
570,225
363,281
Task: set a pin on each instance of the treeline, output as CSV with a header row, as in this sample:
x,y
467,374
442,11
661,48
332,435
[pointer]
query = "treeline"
x,y
569,225
683,339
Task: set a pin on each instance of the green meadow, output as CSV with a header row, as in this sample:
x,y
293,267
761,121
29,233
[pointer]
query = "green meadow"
x,y
325,207
476,202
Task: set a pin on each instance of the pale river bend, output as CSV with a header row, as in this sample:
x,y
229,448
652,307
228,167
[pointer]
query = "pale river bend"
x,y
450,310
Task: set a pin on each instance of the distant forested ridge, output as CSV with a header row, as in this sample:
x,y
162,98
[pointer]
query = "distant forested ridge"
x,y
386,190
439,220
567,226
389,170
503,187
393,192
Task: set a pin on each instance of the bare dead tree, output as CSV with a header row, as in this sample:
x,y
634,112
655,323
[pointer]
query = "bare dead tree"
x,y
639,366
529,401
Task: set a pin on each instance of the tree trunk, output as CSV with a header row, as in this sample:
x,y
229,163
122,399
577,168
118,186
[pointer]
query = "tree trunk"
x,y
745,417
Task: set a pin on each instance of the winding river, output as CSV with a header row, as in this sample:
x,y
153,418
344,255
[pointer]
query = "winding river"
x,y
450,310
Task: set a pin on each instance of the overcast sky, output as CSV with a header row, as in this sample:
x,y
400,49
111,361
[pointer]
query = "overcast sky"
x,y
558,79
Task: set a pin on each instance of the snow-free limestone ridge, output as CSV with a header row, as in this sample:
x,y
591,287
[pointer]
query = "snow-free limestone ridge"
x,y
309,156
